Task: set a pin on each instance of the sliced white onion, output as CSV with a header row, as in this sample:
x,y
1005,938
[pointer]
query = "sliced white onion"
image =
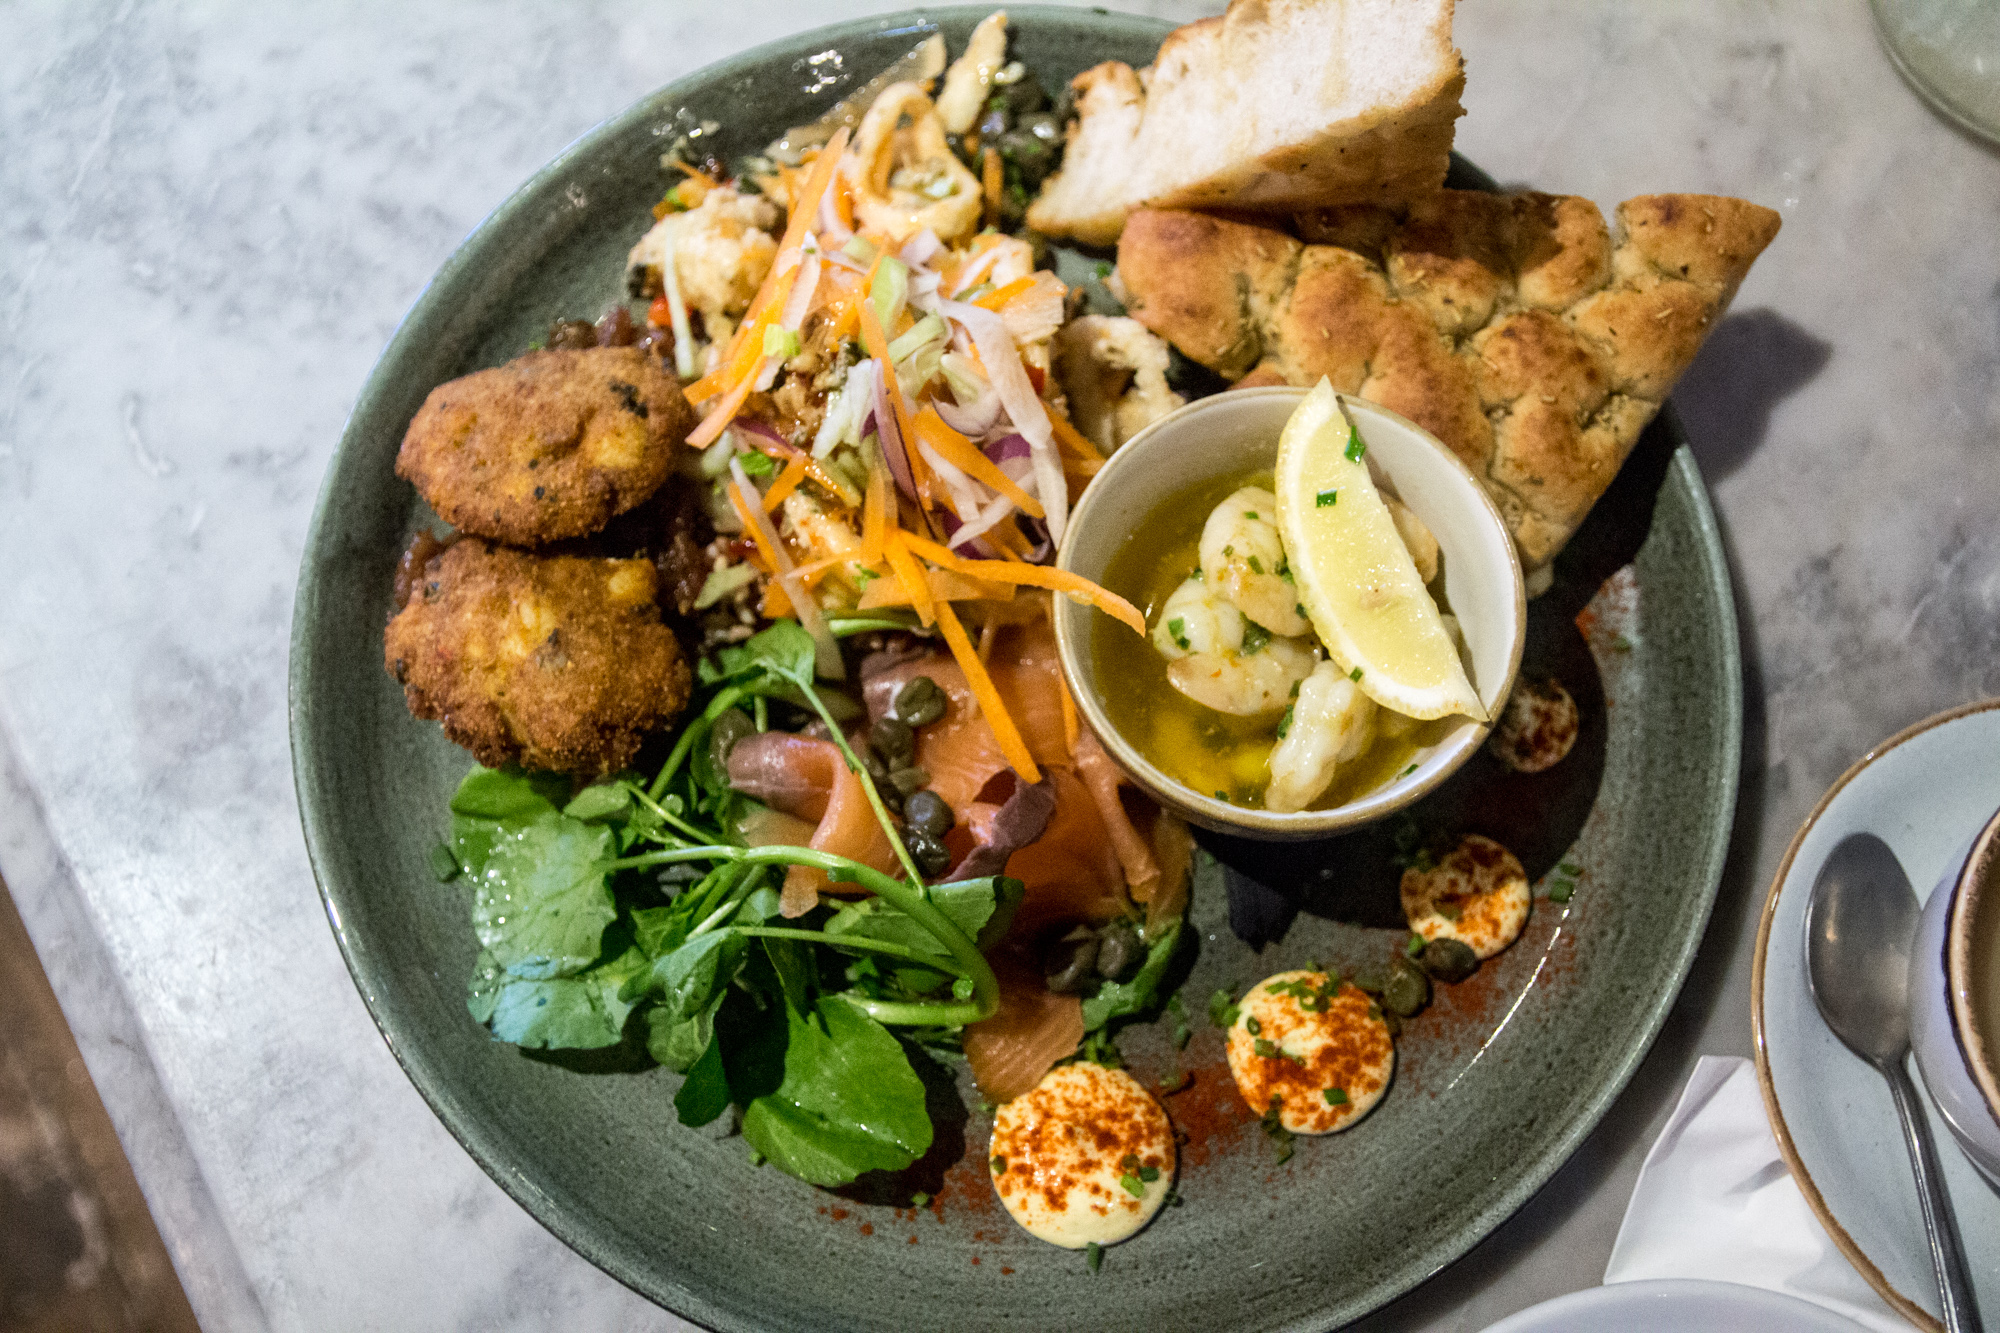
x,y
920,249
975,272
989,518
826,648
967,495
677,311
1024,409
801,297
971,420
829,222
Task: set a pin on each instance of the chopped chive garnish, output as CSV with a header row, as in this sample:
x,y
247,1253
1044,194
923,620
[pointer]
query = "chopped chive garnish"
x,y
1415,946
1354,674
999,1166
1131,1185
1326,499
1221,795
1285,723
1335,1096
1355,448
1570,868
1250,514
1177,628
1252,1026
1562,891
1256,565
1093,1256
1411,769
1149,1174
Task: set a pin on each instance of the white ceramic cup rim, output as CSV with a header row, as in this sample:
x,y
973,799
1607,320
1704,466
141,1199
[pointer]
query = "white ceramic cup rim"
x,y
1973,890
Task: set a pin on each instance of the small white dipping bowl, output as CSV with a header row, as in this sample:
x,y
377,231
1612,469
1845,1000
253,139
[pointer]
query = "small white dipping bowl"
x,y
1235,434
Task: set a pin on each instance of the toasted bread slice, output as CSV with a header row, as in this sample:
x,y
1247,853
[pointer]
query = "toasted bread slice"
x,y
1275,106
1512,327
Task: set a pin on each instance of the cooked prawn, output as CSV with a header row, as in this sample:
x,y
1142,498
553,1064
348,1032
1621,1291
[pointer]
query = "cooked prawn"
x,y
1243,556
1332,723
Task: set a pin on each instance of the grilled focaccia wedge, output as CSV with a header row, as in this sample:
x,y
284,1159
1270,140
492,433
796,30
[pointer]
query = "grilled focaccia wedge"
x,y
1511,326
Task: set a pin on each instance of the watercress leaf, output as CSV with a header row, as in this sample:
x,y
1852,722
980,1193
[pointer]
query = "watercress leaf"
x,y
704,1093
509,793
792,960
849,1101
762,904
1121,999
541,897
678,1041
785,648
973,905
659,930
603,801
580,1012
685,980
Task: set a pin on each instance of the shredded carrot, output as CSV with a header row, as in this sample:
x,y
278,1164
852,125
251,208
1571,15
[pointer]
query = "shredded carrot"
x,y
1069,716
987,634
843,203
991,179
966,457
944,586
875,517
911,576
776,604
1009,540
787,482
1012,747
833,484
741,505
696,173
1000,296
724,412
1034,576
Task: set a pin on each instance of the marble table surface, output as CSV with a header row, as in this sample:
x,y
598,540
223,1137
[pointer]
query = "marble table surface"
x,y
232,205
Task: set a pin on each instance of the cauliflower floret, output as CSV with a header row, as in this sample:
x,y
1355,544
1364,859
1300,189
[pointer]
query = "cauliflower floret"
x,y
1114,373
722,249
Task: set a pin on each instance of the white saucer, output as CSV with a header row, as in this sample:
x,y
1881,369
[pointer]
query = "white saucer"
x,y
1676,1306
1923,792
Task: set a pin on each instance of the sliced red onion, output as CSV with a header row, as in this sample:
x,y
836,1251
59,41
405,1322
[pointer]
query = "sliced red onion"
x,y
920,249
1008,446
1020,820
762,429
1024,409
890,435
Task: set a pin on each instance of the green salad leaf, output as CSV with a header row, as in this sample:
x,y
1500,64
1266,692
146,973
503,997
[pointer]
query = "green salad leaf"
x,y
849,1101
580,1012
541,895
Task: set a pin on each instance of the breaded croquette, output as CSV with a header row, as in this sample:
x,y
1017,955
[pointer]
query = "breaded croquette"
x,y
553,662
549,446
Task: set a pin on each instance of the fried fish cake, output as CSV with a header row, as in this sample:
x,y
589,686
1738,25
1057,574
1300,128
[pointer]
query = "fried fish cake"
x,y
549,446
555,662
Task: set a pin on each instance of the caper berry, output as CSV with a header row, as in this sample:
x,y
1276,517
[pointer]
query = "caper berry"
x,y
873,763
927,812
1448,960
894,741
908,781
1407,990
1119,952
729,727
1067,966
920,702
932,857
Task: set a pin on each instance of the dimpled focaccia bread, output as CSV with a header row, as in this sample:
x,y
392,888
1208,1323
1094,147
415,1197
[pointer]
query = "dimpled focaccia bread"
x,y
1511,326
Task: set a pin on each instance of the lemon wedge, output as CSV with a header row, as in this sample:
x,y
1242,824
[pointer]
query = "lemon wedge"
x,y
1355,578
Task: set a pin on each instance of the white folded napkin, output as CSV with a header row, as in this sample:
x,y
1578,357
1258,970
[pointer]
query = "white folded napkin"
x,y
1715,1201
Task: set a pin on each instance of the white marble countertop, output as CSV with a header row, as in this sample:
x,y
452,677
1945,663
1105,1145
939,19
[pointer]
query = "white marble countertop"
x,y
215,214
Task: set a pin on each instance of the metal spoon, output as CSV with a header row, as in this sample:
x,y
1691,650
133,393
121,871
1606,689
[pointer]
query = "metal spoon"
x,y
1859,925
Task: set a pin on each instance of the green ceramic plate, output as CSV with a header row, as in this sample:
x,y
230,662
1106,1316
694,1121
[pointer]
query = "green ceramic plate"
x,y
1497,1083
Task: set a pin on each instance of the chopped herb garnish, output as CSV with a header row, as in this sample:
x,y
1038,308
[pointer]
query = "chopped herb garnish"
x,y
1570,868
757,464
1334,1096
1562,891
1222,1009
1229,550
1354,674
1326,499
1221,795
1131,1185
999,1165
1103,270
1252,1026
1093,1256
1250,514
1255,636
1415,946
1274,1126
1285,723
920,1200
1448,912
1149,1174
1178,1013
1355,448
1177,627
1406,772
1256,565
